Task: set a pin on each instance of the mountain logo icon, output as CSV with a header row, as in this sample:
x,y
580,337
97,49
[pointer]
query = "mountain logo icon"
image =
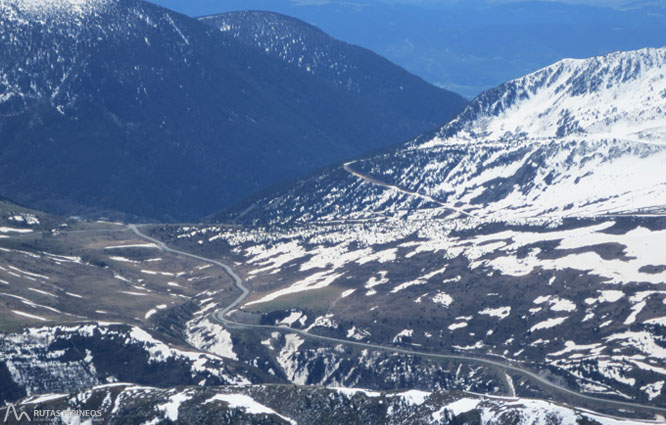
x,y
11,408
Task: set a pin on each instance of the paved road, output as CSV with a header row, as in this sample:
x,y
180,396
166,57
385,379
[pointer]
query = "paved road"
x,y
372,180
237,280
220,317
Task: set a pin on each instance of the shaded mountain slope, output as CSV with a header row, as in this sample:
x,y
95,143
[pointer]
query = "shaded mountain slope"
x,y
120,105
347,66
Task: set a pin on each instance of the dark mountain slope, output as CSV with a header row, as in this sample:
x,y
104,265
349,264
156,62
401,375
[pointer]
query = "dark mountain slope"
x,y
347,66
120,105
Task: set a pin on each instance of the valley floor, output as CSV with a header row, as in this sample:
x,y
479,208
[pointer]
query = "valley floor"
x,y
222,306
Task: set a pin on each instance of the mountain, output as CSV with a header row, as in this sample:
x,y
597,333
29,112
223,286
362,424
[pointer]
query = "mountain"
x,y
353,68
528,229
122,108
357,304
475,45
74,358
267,404
516,252
578,138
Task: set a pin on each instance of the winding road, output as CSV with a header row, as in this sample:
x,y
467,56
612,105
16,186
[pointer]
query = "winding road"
x,y
376,182
220,317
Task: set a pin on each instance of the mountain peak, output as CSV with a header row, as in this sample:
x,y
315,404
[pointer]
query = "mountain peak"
x,y
292,40
608,97
42,8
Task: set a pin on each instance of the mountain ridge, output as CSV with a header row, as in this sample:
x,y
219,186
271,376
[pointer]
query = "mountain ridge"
x,y
273,404
517,234
345,65
627,67
539,146
117,101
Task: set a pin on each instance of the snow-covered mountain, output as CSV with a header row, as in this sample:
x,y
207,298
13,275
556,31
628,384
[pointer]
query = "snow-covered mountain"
x,y
278,404
581,137
107,105
529,228
74,358
510,253
617,96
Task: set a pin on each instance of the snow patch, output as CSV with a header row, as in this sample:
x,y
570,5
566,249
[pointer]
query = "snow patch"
x,y
247,404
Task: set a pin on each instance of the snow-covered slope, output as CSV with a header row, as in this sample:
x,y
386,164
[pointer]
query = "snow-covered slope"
x,y
581,137
518,229
43,8
267,404
72,358
618,96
